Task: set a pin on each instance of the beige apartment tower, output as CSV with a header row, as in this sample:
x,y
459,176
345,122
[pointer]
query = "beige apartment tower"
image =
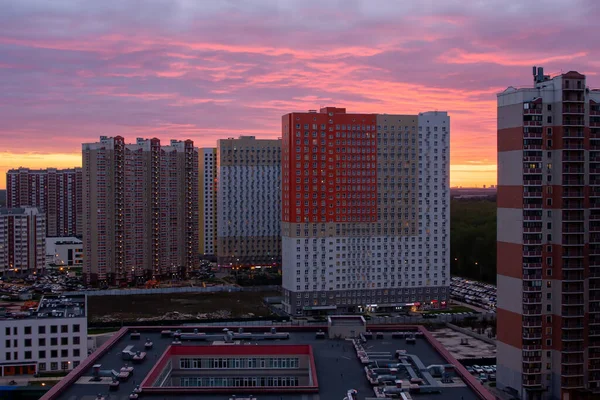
x,y
249,202
140,210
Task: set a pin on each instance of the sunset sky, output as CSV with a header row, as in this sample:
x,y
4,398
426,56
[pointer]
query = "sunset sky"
x,y
71,70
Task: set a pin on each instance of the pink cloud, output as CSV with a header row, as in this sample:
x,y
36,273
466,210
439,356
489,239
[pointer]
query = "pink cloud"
x,y
206,70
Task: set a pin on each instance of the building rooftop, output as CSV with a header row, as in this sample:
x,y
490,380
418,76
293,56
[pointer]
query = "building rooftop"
x,y
52,307
337,368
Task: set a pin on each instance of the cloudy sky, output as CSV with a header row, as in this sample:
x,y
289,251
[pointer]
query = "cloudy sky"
x,y
72,70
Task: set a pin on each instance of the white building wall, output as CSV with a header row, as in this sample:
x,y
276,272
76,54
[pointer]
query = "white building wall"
x,y
35,341
57,251
434,197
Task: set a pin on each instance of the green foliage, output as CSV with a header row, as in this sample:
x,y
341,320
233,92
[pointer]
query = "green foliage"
x,y
473,239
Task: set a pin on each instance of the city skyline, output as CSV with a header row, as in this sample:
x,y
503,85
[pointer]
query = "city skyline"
x,y
174,69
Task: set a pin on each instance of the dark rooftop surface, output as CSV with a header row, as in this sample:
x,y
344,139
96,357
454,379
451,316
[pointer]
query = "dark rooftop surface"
x,y
338,369
54,307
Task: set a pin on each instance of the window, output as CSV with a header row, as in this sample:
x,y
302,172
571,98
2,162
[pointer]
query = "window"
x,y
75,352
28,330
7,331
54,366
53,329
64,365
42,354
8,356
549,319
27,342
76,328
42,366
41,330
28,355
53,341
76,340
64,353
64,341
548,342
549,107
64,328
53,353
7,344
41,342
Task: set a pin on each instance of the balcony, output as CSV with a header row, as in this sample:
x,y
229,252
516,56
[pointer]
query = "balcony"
x,y
532,266
532,289
532,299
573,109
572,325
532,310
594,332
532,323
572,347
532,123
533,229
572,359
532,277
534,194
532,111
534,206
569,372
536,335
532,216
572,288
532,135
530,383
594,309
532,371
532,253
532,347
573,158
532,171
572,300
572,311
573,182
572,338
574,122
532,182
573,170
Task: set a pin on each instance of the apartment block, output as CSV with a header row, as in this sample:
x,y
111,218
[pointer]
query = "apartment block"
x,y
208,201
549,238
56,192
366,207
49,338
249,202
140,210
22,241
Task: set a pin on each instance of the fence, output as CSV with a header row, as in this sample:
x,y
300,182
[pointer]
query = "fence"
x,y
170,290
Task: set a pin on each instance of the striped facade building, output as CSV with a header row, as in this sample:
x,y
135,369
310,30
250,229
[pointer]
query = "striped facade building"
x,y
549,238
140,217
366,208
249,202
55,192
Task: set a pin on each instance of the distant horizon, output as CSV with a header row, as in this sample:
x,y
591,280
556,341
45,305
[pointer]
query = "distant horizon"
x,y
73,71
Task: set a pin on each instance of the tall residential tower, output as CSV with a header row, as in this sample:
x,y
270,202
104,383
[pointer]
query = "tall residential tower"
x,y
55,192
549,238
22,241
208,201
249,202
140,209
366,210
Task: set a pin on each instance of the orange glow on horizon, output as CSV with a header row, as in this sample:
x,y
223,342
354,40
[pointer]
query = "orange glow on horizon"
x,y
462,174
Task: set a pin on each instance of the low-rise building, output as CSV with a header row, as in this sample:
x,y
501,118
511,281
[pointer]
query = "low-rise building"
x,y
64,252
49,338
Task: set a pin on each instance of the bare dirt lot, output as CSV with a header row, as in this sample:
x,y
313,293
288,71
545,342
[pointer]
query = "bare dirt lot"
x,y
178,306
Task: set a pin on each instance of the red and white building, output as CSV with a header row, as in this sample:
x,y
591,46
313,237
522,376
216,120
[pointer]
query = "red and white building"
x,y
55,192
22,241
140,209
365,219
549,238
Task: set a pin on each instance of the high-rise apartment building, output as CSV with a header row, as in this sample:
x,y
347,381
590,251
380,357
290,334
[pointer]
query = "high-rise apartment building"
x,y
249,202
22,241
56,192
140,218
549,238
208,201
366,210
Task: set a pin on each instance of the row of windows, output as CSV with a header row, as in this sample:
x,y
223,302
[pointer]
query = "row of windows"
x,y
239,363
64,341
28,355
27,330
262,381
65,365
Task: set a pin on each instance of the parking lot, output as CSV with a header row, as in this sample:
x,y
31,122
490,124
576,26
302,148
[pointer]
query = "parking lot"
x,y
478,294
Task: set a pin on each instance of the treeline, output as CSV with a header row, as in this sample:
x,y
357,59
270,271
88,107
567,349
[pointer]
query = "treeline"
x,y
473,239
